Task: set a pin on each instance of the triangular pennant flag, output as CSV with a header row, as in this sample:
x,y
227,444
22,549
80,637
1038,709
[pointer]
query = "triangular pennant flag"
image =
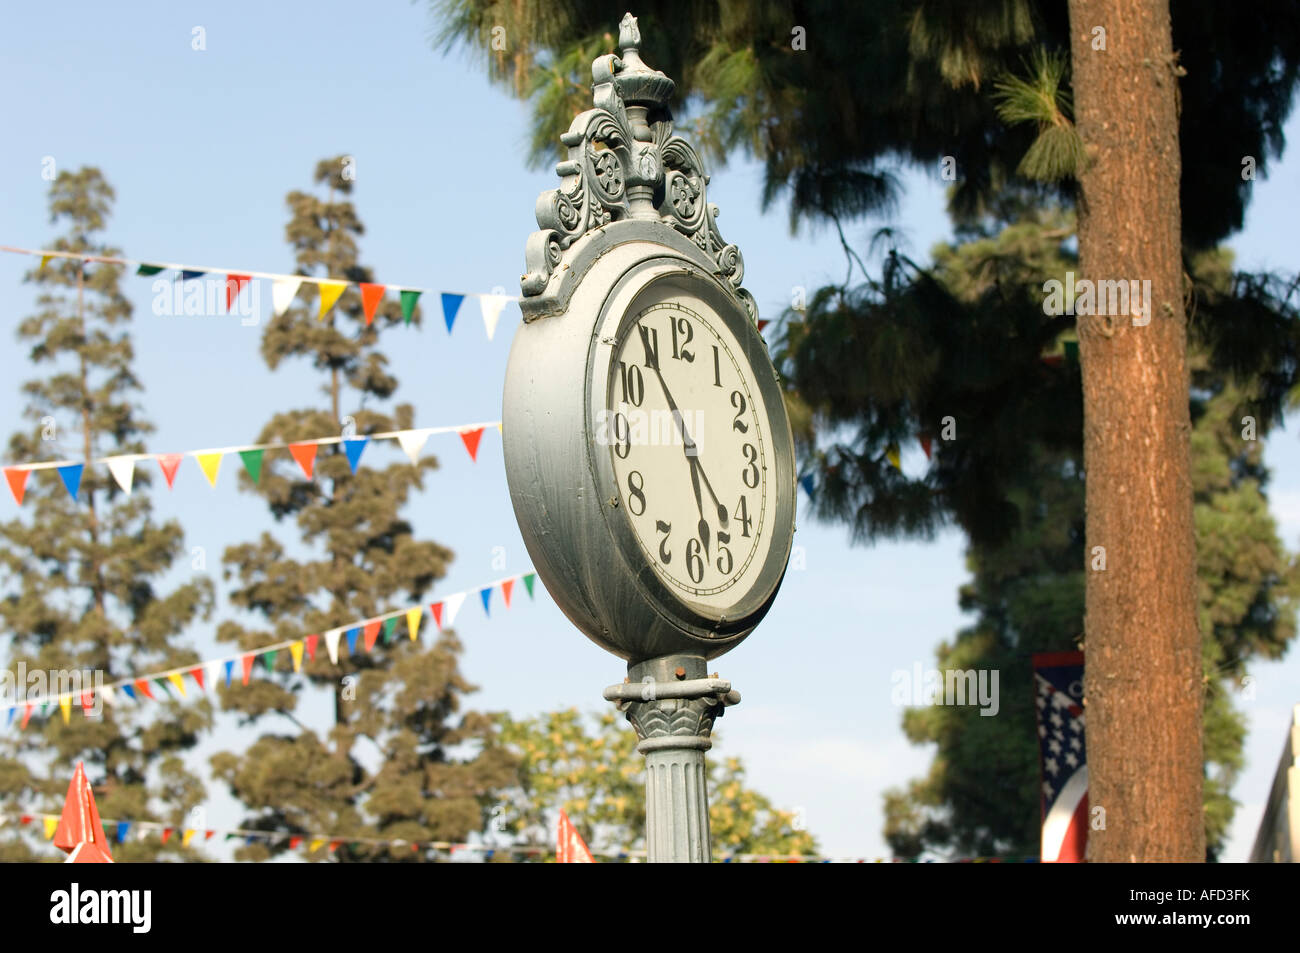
x,y
166,834
892,455
210,463
305,454
762,324
315,845
352,640
436,609
408,304
162,683
529,579
71,476
353,447
806,481
413,617
147,271
295,654
491,306
453,603
412,442
175,679
187,275
389,625
230,670
196,673
294,842
186,836
17,480
143,688
51,825
925,444
506,587
252,463
450,305
27,715
371,295
310,643
123,828
283,291
123,470
128,691
268,659
234,285
65,706
570,848
471,439
169,463
372,633
332,644
87,701
329,293
45,260
486,595
247,662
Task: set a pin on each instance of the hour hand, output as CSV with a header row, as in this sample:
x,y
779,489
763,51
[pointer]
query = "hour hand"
x,y
703,527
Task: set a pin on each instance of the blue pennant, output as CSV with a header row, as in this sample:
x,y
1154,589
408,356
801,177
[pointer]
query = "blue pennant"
x,y
230,670
71,475
352,641
486,594
129,691
450,305
353,447
806,481
123,827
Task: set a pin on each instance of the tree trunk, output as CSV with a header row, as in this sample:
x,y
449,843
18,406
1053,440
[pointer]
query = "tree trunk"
x,y
1143,681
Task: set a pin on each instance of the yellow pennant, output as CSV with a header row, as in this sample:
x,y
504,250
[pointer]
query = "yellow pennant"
x,y
211,463
187,837
65,706
891,455
51,825
329,293
45,260
295,650
413,621
175,679
316,845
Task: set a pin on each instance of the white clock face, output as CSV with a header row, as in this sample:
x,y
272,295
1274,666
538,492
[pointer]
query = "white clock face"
x,y
692,452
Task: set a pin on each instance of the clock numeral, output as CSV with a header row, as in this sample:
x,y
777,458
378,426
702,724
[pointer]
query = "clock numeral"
x,y
738,401
664,555
633,383
742,514
650,344
750,472
694,564
683,326
636,492
724,553
717,368
622,437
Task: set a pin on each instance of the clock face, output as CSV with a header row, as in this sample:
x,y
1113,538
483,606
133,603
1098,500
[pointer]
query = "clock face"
x,y
691,447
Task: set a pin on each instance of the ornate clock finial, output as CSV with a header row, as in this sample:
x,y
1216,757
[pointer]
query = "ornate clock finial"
x,y
625,163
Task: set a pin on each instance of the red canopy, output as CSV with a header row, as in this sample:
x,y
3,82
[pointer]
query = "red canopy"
x,y
80,832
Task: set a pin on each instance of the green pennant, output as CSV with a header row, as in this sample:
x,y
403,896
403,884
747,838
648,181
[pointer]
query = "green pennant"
x,y
147,270
164,685
230,836
389,626
408,304
252,463
268,659
528,583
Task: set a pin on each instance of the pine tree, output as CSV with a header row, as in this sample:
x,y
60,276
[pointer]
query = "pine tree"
x,y
81,577
358,558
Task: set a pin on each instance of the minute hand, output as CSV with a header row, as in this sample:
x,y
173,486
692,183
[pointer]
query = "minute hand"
x,y
692,451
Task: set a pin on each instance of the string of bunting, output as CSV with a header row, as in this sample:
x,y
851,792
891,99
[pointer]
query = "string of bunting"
x,y
209,672
311,843
122,466
284,288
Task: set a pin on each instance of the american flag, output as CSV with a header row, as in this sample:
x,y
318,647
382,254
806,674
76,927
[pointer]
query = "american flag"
x,y
1058,698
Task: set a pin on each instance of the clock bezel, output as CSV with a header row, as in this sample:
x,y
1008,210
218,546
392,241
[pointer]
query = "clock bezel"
x,y
620,309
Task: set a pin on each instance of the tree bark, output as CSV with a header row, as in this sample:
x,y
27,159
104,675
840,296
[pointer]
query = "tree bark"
x,y
1143,681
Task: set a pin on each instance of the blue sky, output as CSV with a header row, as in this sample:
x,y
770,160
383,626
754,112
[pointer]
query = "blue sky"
x,y
202,147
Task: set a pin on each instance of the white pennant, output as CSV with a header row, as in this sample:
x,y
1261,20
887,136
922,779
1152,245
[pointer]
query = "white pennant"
x,y
123,470
282,294
452,605
412,442
491,306
106,693
332,644
215,671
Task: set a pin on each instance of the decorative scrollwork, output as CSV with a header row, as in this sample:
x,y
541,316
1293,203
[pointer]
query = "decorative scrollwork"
x,y
624,163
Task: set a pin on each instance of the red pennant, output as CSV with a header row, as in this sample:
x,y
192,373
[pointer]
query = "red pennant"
x,y
334,845
169,463
305,454
26,819
87,701
762,324
167,832
311,647
248,667
17,482
234,285
471,438
294,842
80,831
197,674
208,835
142,687
371,632
371,295
506,587
570,848
27,715
436,609
925,444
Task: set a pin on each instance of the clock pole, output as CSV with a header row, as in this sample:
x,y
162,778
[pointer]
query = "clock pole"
x,y
672,703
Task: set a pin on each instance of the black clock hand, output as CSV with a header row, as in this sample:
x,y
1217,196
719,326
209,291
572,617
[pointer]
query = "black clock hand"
x,y
692,457
703,527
